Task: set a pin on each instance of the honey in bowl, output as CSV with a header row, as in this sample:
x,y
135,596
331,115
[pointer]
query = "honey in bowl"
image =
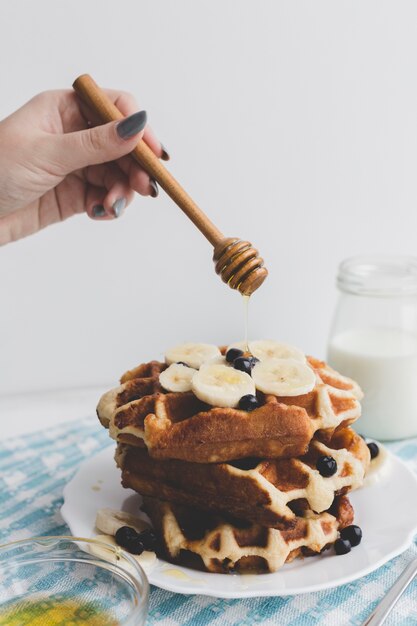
x,y
70,581
56,612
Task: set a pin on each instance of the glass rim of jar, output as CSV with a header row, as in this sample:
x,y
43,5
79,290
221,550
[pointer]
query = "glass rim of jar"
x,y
385,276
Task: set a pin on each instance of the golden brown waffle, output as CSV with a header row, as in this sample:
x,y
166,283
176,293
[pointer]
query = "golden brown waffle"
x,y
221,544
179,426
269,492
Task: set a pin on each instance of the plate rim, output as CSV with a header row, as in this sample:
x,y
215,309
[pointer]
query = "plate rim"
x,y
248,593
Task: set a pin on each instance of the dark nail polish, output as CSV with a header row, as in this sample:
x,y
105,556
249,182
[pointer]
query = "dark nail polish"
x,y
165,156
132,125
99,210
154,188
118,206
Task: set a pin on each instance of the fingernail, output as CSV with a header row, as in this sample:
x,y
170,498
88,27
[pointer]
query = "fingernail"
x,y
154,188
98,211
165,155
118,206
132,125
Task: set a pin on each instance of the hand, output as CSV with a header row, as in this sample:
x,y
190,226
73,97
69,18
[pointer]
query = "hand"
x,y
55,162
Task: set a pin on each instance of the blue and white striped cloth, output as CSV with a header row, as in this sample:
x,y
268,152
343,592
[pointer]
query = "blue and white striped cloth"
x,y
35,468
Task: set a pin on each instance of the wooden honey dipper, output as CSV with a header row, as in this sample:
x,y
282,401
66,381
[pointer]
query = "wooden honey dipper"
x,y
237,262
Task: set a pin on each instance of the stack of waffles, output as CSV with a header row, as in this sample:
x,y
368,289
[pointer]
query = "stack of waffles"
x,y
243,462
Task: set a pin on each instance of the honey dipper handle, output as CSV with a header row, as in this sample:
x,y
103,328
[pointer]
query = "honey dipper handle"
x,y
96,98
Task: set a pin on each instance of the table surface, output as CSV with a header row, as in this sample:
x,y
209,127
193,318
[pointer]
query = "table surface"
x,y
34,469
29,412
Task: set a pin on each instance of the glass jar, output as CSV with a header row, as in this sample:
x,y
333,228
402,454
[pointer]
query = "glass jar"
x,y
373,340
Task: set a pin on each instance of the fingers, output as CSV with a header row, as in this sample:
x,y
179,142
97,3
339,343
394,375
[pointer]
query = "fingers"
x,y
102,150
94,207
127,105
155,145
111,176
109,194
71,151
119,194
139,180
103,205
117,199
99,143
75,114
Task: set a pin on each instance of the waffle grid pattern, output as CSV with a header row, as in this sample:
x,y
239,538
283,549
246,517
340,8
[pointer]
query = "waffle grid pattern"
x,y
138,412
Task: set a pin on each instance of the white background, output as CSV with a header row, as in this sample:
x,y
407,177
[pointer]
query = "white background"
x,y
293,124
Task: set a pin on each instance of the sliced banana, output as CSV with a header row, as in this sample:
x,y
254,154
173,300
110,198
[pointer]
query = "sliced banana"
x,y
219,360
283,377
380,467
177,377
146,559
269,349
194,354
220,385
108,521
108,405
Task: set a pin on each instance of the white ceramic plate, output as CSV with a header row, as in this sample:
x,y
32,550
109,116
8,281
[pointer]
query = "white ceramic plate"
x,y
386,512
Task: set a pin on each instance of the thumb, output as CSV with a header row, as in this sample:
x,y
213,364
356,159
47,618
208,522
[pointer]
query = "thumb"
x,y
98,144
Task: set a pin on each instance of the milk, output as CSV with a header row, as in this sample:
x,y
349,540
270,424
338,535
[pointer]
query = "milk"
x,y
384,362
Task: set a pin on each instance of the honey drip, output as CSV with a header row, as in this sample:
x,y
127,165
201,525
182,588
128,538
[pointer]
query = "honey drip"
x,y
245,320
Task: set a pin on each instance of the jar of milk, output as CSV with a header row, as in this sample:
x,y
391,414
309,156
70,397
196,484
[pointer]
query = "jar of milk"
x,y
374,341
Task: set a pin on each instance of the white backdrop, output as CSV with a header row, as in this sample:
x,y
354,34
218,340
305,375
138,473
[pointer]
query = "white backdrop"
x,y
293,124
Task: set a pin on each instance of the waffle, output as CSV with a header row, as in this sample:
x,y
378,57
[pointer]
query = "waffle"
x,y
179,426
221,544
269,492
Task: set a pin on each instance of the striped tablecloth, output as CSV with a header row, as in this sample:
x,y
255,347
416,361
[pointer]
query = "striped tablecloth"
x,y
35,468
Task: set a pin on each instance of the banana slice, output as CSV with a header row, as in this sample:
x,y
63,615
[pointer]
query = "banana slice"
x,y
219,360
177,377
269,349
146,559
380,467
194,354
283,377
108,521
220,385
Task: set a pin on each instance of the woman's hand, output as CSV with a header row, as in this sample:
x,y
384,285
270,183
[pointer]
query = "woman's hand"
x,y
55,163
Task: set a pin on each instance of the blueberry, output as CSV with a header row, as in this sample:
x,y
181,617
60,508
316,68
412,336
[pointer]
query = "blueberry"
x,y
373,449
148,539
326,465
129,539
248,403
342,546
125,533
182,363
245,363
233,354
353,534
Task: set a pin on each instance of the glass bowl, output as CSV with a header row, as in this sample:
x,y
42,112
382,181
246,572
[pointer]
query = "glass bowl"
x,y
51,581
